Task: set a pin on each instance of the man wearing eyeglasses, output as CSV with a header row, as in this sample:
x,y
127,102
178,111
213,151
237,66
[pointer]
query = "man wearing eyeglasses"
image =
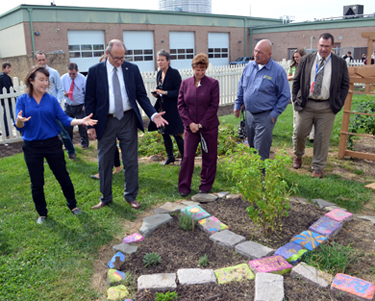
x,y
113,91
320,86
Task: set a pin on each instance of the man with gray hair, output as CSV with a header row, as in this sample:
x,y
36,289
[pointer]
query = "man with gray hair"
x,y
113,91
264,91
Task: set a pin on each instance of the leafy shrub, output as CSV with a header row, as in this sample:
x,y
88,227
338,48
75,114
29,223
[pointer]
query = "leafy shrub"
x,y
203,260
186,222
151,143
168,296
151,259
262,184
362,122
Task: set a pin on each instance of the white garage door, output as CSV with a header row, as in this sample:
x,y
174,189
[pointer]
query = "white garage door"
x,y
140,49
85,47
218,48
181,49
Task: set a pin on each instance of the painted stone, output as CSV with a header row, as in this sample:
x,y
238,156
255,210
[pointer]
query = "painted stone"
x,y
234,273
326,226
292,252
358,288
222,194
117,292
136,237
274,264
115,276
195,211
309,240
211,225
339,215
117,259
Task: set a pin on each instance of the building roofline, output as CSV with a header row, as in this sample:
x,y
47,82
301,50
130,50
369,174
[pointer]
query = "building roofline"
x,y
46,7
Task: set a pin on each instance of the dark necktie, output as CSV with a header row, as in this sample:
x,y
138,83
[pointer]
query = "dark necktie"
x,y
319,79
119,110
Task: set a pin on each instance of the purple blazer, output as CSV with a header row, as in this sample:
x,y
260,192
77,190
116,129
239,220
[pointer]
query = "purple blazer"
x,y
199,105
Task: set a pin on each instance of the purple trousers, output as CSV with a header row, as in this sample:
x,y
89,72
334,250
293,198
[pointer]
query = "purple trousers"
x,y
209,160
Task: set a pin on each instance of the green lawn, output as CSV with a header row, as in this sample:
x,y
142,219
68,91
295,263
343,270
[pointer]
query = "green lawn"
x,y
55,261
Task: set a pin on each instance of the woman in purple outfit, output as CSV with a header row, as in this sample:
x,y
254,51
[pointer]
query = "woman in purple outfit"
x,y
198,102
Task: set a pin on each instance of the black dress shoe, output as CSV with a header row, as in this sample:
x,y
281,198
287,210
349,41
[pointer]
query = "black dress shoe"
x,y
94,177
169,160
100,205
202,191
134,204
184,193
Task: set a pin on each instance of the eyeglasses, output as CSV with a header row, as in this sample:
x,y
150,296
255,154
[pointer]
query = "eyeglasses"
x,y
117,59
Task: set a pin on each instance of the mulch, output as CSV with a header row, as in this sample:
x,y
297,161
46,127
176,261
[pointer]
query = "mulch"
x,y
181,249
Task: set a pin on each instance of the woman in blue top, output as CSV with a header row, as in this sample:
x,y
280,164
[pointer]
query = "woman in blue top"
x,y
37,112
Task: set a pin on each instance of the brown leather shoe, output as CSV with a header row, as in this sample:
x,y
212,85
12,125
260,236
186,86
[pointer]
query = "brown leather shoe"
x,y
100,205
134,204
317,174
297,163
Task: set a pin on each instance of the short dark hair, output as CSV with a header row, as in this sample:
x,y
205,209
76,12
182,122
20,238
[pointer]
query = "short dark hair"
x,y
165,53
327,36
349,52
31,77
73,66
40,52
6,64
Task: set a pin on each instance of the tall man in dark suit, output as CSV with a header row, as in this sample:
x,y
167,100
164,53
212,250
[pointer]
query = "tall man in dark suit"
x,y
320,86
6,82
112,91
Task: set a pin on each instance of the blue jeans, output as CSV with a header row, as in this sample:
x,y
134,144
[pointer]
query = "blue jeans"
x,y
66,139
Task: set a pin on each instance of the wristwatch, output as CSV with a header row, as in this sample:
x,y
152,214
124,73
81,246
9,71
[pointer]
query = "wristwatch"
x,y
166,93
200,126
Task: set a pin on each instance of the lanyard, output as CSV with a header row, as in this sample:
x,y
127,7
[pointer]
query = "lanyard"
x,y
321,68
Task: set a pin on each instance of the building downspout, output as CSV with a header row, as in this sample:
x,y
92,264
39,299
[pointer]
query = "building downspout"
x,y
31,28
244,35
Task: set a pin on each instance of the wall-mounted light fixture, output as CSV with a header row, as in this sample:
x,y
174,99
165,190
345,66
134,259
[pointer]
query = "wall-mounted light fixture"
x,y
37,33
239,41
57,29
162,41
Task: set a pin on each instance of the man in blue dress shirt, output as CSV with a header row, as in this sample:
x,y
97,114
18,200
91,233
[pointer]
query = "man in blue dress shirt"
x,y
56,89
264,91
74,84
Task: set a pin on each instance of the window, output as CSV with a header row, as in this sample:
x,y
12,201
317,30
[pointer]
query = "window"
x,y
86,50
139,55
218,52
182,54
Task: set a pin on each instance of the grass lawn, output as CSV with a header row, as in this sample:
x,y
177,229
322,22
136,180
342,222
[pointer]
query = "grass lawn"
x,y
55,261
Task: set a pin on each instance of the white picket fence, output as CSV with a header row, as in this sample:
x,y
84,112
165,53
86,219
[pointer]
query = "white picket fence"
x,y
227,76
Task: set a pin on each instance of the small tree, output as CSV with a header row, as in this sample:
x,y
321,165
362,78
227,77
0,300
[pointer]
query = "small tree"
x,y
262,184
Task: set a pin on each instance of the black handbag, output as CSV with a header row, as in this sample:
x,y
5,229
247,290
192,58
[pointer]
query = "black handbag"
x,y
203,142
241,126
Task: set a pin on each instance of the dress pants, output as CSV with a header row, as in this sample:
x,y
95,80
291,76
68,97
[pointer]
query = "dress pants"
x,y
34,153
259,129
125,130
209,160
76,112
321,115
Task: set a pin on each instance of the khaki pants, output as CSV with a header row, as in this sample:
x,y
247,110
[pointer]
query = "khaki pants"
x,y
321,115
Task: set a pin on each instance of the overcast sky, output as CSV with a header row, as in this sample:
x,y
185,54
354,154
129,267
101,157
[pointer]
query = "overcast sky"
x,y
300,10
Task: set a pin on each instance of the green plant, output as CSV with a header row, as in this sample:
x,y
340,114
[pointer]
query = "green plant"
x,y
151,259
168,296
203,260
366,123
262,184
333,258
186,222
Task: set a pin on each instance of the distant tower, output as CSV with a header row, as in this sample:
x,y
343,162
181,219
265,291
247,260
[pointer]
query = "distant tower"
x,y
191,6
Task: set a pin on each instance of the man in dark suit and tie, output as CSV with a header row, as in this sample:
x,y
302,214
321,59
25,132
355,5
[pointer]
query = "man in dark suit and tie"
x,y
320,86
113,89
